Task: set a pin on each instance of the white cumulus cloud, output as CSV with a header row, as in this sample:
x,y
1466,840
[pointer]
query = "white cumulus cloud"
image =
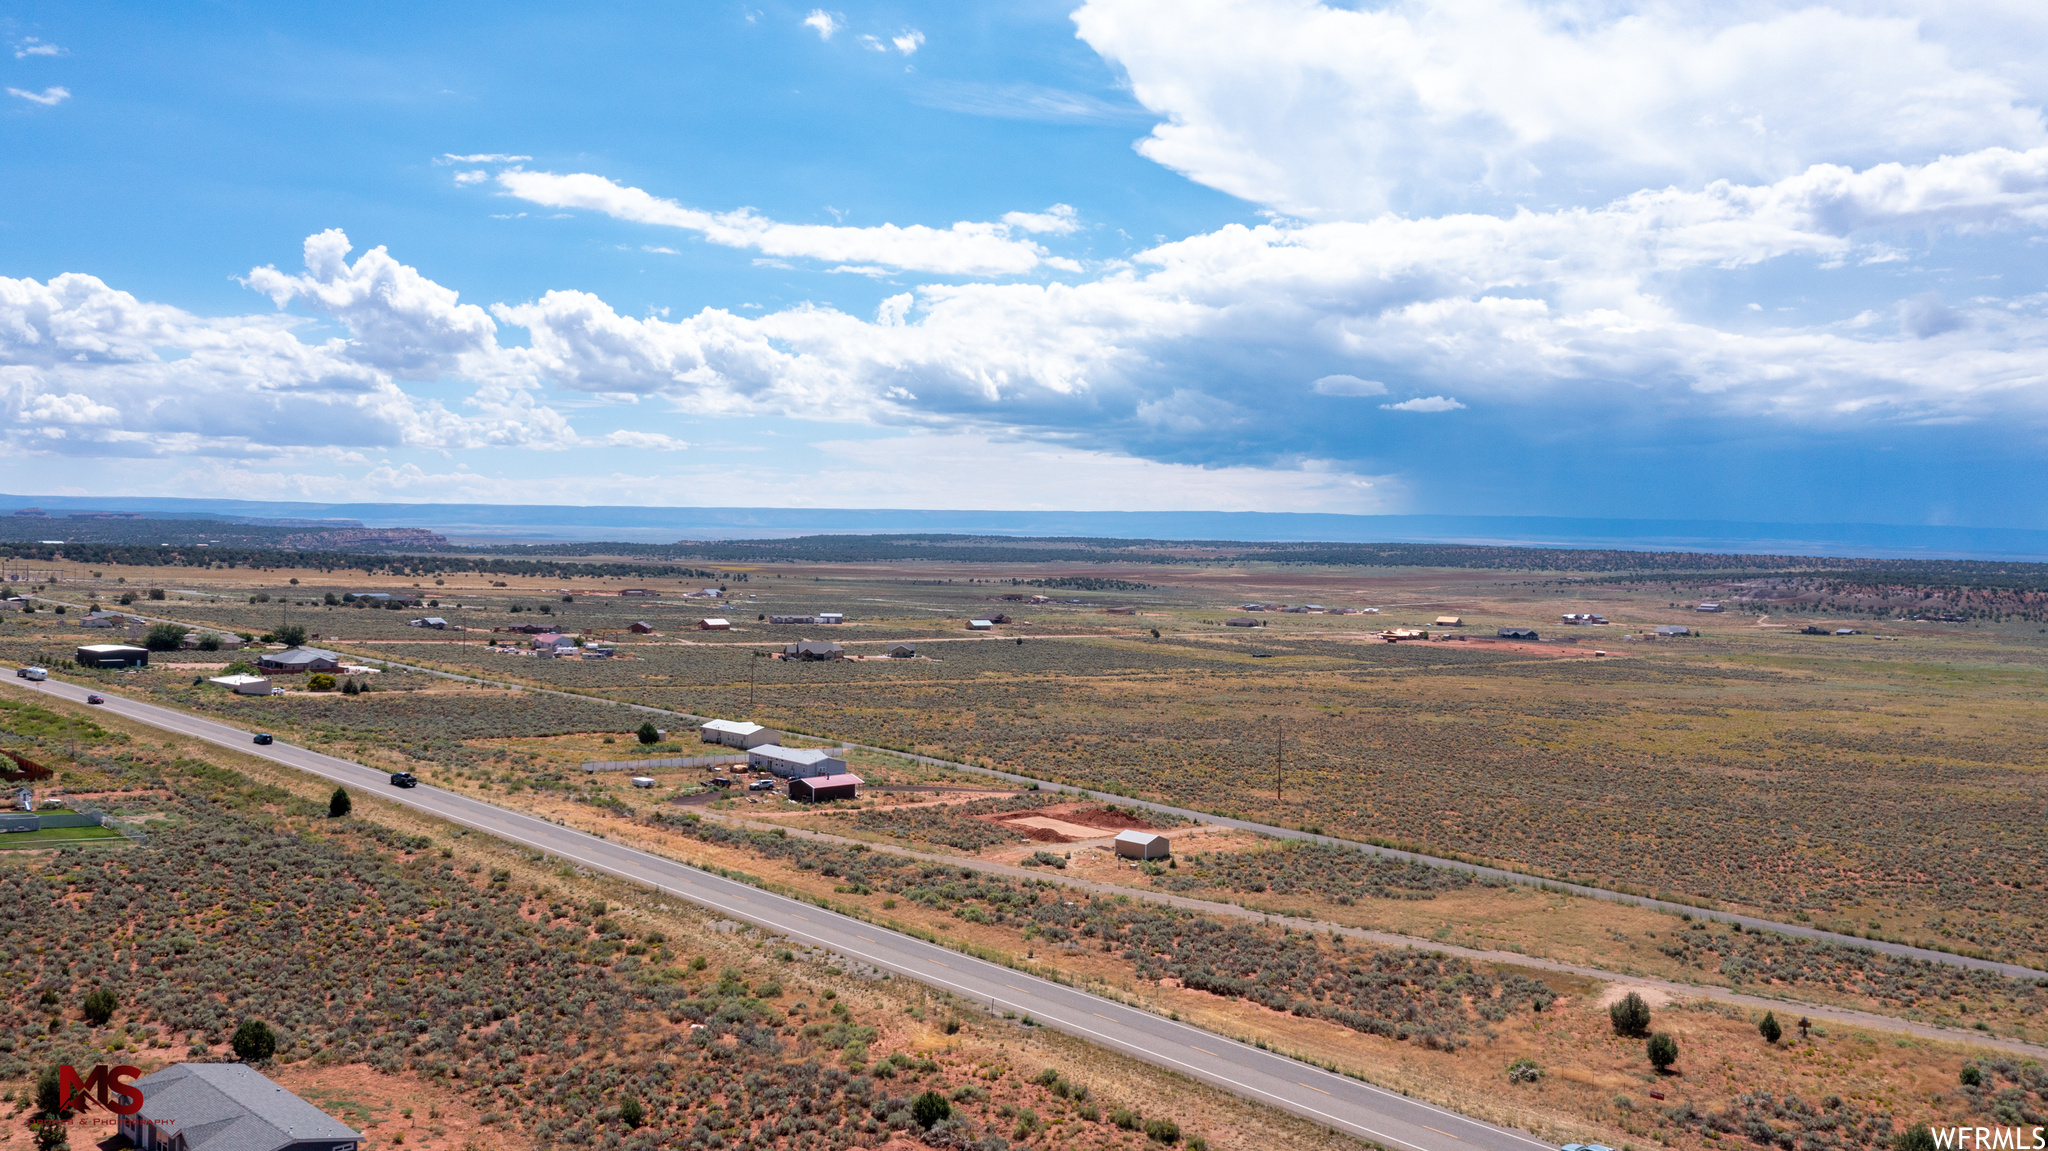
x,y
964,249
1424,404
824,23
49,97
1333,111
30,46
909,42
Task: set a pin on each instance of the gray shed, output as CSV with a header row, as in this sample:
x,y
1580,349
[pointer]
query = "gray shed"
x,y
1143,845
794,762
1517,633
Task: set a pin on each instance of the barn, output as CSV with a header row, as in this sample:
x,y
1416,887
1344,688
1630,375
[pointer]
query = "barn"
x,y
819,788
1143,845
112,655
1517,633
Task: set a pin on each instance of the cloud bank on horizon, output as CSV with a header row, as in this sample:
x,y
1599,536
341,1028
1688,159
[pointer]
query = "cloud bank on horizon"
x,y
1477,218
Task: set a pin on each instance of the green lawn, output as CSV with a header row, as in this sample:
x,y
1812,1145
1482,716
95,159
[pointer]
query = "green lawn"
x,y
56,836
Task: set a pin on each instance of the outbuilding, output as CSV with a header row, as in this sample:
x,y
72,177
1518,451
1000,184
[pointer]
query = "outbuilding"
x,y
432,621
819,788
1707,607
1517,633
714,624
243,684
792,619
831,617
794,762
737,733
228,1107
980,624
902,651
298,659
112,655
641,627
1450,621
1673,629
1143,845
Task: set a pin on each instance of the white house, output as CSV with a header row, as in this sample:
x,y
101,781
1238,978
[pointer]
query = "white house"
x,y
737,733
243,684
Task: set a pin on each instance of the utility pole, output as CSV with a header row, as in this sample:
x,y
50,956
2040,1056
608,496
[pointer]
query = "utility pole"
x,y
1279,756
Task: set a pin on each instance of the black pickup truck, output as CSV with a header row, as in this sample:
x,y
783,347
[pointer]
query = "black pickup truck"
x,y
404,779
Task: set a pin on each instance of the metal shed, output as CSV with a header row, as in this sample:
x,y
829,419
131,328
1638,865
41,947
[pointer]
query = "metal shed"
x,y
795,762
1517,633
1143,845
737,733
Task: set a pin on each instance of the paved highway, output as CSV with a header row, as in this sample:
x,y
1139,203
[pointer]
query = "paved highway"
x,y
1388,1118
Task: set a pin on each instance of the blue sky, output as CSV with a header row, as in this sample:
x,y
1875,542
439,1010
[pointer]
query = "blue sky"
x,y
1748,261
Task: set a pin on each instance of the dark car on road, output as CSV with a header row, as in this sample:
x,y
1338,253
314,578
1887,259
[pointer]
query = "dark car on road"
x,y
404,779
95,699
263,738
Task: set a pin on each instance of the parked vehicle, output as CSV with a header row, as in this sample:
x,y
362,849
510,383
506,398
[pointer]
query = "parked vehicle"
x,y
95,699
263,738
404,779
36,674
720,781
762,785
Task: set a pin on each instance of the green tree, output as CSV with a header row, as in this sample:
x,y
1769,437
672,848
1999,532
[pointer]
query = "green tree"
x,y
1663,1050
254,1041
165,637
290,635
339,804
52,1136
47,1086
99,1006
1769,1028
209,642
1971,1076
1917,1138
631,1113
1631,1016
320,681
930,1108
647,733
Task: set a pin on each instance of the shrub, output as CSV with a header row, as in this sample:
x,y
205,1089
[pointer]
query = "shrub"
x,y
1162,1131
647,733
631,1113
1125,1118
1917,1138
1631,1016
1524,1071
156,593
165,637
99,1006
254,1041
1662,1050
339,804
930,1108
1769,1028
320,681
1971,1076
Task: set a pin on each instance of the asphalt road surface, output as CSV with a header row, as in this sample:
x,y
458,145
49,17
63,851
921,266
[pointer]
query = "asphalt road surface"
x,y
1388,1118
